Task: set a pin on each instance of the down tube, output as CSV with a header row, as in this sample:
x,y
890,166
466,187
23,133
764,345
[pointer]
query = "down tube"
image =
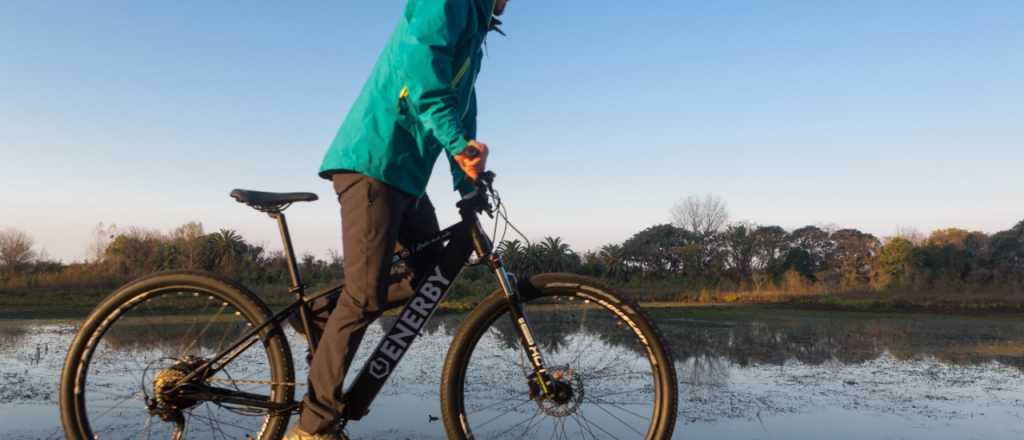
x,y
430,292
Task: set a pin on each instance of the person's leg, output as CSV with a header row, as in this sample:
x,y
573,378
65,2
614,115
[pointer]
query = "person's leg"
x,y
419,224
371,214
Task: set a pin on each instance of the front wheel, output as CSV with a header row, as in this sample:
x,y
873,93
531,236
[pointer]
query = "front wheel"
x,y
136,349
615,376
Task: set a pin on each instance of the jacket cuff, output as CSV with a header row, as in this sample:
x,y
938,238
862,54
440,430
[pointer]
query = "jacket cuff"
x,y
458,145
465,186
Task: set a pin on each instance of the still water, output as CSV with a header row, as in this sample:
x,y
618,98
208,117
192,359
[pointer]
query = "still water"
x,y
744,373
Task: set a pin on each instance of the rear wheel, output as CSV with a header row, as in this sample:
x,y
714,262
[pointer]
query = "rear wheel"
x,y
613,376
134,350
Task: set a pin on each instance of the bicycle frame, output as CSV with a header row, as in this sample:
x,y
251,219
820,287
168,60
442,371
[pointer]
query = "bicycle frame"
x,y
463,239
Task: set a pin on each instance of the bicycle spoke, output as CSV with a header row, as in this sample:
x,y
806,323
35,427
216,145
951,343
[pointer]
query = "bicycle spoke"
x,y
502,414
583,428
619,419
586,347
516,425
153,342
203,331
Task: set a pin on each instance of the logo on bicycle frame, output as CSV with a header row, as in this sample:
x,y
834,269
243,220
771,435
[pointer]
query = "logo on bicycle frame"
x,y
412,319
379,368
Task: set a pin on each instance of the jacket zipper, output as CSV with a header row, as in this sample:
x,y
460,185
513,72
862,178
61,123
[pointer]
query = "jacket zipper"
x,y
402,95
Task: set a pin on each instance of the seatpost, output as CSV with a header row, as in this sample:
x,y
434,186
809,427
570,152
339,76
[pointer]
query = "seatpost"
x,y
289,253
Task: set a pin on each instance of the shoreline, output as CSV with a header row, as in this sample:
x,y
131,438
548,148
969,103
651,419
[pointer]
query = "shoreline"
x,y
43,311
42,303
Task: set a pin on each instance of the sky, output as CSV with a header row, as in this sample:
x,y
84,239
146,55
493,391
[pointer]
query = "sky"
x,y
600,114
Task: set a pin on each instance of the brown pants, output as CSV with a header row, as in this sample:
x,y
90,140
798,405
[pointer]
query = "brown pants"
x,y
374,218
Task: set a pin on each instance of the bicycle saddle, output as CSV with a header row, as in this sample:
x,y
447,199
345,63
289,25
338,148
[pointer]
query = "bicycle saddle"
x,y
268,201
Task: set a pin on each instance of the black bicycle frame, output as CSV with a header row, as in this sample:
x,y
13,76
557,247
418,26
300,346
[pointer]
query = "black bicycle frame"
x,y
463,239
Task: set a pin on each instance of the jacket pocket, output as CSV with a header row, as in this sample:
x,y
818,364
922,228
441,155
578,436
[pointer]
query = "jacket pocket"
x,y
406,120
403,101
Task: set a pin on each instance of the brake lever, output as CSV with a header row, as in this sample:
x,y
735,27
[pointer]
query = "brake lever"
x,y
487,184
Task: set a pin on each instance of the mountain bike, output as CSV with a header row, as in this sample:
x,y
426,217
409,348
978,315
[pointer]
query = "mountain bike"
x,y
187,354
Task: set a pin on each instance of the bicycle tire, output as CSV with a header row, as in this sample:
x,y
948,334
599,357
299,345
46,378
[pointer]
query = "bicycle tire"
x,y
151,293
550,288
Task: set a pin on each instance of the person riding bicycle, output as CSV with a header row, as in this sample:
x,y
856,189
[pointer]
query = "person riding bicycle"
x,y
419,101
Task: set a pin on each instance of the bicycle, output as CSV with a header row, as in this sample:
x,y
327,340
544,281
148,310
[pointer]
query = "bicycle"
x,y
208,358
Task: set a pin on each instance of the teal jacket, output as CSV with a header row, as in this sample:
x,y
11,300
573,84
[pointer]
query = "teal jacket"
x,y
419,99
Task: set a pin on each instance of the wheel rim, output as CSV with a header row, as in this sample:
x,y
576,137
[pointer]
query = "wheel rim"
x,y
594,352
149,335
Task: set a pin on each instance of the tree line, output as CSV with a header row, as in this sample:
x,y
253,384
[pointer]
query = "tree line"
x,y
700,250
118,256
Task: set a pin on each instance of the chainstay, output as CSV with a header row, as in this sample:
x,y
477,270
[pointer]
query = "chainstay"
x,y
253,382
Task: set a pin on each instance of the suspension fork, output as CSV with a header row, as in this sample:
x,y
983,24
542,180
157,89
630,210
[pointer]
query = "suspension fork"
x,y
522,325
515,307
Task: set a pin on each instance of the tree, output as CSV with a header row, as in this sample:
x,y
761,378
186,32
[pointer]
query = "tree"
x,y
534,256
816,243
770,245
102,236
187,237
336,262
740,248
911,234
228,246
513,253
895,261
557,255
655,250
799,261
137,251
954,237
612,257
1007,253
854,253
701,216
15,249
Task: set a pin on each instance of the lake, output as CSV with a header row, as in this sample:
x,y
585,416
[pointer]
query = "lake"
x,y
744,373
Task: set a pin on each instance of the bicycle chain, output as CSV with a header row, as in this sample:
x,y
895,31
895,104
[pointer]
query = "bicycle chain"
x,y
253,382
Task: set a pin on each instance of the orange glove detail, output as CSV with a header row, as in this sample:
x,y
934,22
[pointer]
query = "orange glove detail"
x,y
473,160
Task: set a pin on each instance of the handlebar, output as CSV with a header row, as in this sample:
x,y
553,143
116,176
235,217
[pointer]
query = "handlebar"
x,y
480,200
486,180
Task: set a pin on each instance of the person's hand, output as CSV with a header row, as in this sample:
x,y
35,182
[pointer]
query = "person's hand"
x,y
473,160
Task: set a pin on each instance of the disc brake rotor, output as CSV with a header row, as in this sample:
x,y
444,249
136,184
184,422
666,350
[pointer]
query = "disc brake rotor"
x,y
566,393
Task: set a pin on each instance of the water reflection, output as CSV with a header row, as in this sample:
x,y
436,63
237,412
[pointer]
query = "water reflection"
x,y
774,337
752,370
770,337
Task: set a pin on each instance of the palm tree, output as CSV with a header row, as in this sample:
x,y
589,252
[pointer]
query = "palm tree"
x,y
514,254
611,256
228,245
533,259
557,255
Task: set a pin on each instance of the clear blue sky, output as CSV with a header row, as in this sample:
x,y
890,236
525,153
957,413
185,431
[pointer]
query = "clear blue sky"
x,y
600,114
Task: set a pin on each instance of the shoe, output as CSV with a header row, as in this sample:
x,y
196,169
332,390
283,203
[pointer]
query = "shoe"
x,y
298,434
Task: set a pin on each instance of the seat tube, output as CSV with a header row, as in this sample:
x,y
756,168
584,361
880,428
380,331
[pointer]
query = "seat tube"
x,y
289,253
293,269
